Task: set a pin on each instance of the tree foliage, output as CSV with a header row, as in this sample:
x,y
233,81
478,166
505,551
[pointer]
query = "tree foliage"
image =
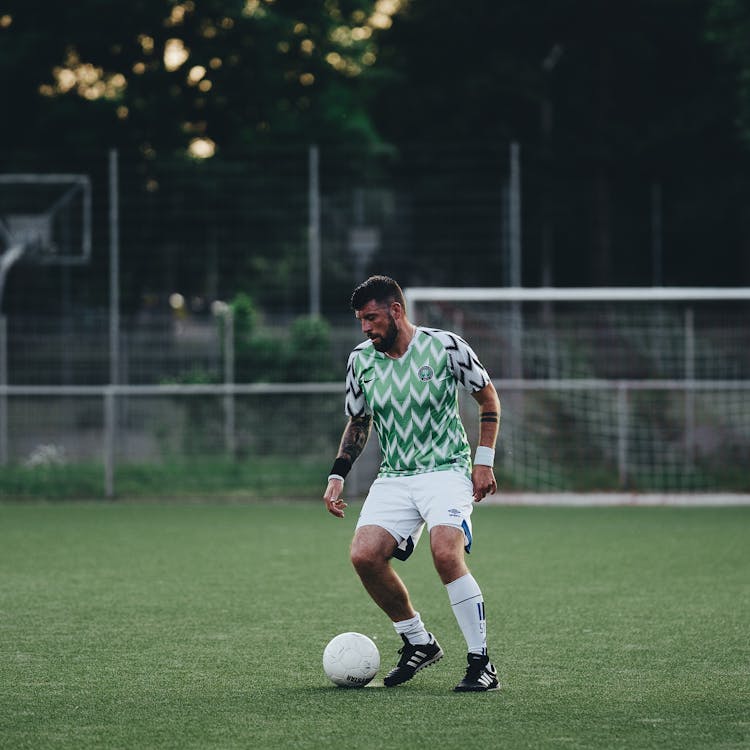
x,y
610,101
607,100
301,354
176,74
729,28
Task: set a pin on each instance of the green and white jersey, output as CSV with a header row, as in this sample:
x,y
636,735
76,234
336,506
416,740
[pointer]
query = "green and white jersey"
x,y
413,401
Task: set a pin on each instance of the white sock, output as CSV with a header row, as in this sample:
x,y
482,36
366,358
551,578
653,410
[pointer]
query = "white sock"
x,y
413,629
468,606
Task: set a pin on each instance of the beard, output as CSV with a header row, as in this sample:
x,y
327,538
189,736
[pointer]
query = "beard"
x,y
388,339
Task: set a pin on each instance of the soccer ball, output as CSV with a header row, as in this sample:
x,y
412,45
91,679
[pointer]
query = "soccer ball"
x,y
351,660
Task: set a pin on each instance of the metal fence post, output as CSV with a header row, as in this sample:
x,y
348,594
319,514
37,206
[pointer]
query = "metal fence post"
x,y
230,441
3,396
313,230
516,280
110,426
622,433
114,269
689,390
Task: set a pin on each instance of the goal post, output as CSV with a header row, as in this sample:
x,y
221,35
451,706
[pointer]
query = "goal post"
x,y
635,389
415,295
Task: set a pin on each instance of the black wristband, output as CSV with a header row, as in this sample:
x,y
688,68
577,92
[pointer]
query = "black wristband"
x,y
341,466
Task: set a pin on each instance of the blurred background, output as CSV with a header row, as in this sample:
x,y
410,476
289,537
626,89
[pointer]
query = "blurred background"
x,y
189,191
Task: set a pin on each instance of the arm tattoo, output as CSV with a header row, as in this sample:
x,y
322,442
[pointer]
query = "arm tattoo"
x,y
355,436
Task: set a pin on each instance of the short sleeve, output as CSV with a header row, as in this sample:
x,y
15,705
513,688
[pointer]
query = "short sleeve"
x,y
355,402
465,365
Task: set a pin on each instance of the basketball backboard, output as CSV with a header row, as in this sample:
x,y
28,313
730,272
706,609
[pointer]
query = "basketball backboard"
x,y
48,216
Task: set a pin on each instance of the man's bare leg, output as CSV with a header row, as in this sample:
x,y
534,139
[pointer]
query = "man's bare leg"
x,y
372,548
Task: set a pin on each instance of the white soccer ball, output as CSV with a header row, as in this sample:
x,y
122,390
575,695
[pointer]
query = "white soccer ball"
x,y
351,660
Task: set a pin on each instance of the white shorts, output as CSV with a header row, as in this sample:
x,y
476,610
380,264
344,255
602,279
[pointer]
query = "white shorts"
x,y
404,505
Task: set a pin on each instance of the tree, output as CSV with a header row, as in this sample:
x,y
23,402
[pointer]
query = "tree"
x,y
171,83
636,97
729,29
169,75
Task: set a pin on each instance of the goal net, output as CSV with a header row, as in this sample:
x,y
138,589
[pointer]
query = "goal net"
x,y
610,389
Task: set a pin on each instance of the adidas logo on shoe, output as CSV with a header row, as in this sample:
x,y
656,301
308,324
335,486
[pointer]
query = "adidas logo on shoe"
x,y
480,677
413,658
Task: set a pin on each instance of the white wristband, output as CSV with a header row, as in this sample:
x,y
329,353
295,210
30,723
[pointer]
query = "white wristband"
x,y
484,456
335,476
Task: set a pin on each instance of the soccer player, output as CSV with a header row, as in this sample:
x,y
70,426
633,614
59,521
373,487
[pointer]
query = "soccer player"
x,y
404,379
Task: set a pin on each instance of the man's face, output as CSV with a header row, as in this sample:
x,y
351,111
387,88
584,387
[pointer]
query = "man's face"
x,y
378,324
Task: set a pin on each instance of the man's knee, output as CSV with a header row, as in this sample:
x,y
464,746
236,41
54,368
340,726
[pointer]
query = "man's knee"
x,y
447,545
363,558
448,563
371,549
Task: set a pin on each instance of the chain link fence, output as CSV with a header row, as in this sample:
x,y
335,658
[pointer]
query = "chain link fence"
x,y
192,237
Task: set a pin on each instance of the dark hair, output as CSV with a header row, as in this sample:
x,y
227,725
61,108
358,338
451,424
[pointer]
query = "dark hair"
x,y
381,289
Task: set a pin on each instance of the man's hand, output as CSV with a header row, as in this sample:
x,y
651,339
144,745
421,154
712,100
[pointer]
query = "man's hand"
x,y
331,498
483,479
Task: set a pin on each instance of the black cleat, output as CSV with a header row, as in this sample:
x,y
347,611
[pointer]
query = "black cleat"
x,y
413,658
480,677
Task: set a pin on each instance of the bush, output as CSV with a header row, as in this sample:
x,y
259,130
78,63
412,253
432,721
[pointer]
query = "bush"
x,y
304,355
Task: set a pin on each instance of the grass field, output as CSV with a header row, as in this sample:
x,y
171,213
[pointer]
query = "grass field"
x,y
202,626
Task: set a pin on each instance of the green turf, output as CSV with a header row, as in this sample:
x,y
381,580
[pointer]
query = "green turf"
x,y
198,626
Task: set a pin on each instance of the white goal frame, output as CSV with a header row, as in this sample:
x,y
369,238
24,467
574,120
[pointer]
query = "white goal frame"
x,y
416,295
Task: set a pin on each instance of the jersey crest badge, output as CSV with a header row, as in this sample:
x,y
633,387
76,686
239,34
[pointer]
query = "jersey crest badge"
x,y
425,373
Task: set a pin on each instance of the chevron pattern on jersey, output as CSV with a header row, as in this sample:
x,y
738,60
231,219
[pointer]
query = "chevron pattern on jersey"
x,y
414,400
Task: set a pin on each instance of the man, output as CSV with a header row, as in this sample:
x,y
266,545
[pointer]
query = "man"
x,y
405,380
